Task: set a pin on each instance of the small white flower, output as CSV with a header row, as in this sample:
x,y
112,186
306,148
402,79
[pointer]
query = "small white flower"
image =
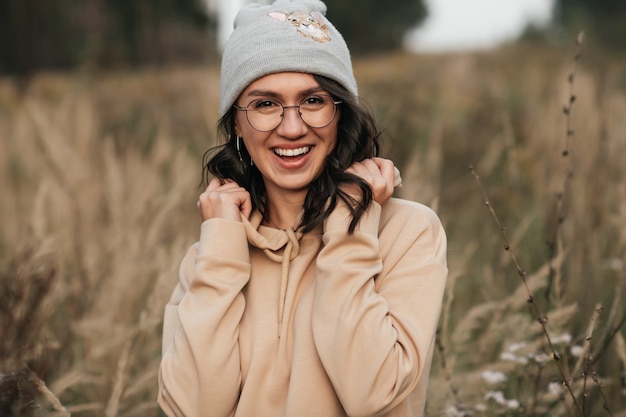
x,y
482,407
452,411
541,358
497,396
510,357
512,404
576,351
564,338
613,264
555,388
492,377
514,347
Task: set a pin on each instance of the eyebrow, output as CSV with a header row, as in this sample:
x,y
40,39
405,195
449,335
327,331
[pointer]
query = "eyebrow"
x,y
269,93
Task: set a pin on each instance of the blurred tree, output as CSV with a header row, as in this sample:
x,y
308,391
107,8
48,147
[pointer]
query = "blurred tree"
x,y
66,33
35,33
603,20
138,31
374,25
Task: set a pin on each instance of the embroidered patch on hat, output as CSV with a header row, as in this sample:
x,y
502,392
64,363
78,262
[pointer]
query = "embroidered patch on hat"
x,y
310,25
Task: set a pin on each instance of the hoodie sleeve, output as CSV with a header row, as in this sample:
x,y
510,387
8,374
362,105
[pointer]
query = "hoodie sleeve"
x,y
200,369
377,304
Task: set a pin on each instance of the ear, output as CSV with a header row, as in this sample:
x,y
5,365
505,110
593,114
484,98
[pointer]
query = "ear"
x,y
281,17
237,129
318,16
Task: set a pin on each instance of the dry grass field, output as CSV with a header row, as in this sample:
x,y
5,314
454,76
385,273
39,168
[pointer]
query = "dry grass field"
x,y
99,176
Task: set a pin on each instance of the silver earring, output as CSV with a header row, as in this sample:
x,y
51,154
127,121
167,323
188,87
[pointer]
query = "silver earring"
x,y
239,151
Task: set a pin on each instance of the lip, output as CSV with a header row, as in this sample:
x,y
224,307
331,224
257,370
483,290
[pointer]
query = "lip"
x,y
292,162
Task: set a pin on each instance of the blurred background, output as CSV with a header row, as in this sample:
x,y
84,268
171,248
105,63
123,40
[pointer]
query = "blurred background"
x,y
107,106
68,34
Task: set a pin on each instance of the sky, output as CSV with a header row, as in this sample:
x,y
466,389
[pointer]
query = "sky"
x,y
454,25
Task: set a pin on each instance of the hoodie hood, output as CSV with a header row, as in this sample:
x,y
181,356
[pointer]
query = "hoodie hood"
x,y
281,246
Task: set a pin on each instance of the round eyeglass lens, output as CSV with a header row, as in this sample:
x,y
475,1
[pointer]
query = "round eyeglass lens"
x,y
316,111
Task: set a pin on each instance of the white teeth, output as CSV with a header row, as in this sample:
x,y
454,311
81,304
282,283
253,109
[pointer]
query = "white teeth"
x,y
292,152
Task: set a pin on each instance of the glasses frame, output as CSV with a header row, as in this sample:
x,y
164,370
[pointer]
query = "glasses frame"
x,y
282,115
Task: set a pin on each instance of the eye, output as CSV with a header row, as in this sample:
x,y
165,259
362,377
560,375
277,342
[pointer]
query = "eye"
x,y
315,101
265,106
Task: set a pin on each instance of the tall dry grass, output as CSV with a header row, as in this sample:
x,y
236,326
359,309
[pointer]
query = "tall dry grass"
x,y
101,176
100,172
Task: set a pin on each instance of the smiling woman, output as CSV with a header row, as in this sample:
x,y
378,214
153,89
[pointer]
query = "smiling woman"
x,y
311,290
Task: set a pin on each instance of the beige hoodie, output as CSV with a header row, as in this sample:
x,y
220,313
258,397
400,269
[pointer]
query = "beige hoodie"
x,y
267,323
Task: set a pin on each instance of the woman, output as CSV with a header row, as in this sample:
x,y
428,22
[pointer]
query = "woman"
x,y
311,292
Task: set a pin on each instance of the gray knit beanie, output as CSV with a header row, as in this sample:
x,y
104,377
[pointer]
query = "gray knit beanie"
x,y
292,36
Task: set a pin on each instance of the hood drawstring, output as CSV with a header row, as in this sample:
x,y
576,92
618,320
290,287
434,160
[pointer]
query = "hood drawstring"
x,y
289,240
292,249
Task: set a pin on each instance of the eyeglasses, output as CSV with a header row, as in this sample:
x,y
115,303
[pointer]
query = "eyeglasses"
x,y
265,114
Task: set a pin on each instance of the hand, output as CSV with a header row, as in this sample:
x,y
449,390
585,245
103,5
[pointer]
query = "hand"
x,y
224,199
379,173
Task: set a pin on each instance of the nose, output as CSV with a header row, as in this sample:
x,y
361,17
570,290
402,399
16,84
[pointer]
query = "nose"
x,y
292,125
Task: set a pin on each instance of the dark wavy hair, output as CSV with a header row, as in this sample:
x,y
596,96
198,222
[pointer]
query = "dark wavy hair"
x,y
358,138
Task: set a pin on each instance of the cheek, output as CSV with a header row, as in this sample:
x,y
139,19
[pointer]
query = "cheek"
x,y
333,139
239,122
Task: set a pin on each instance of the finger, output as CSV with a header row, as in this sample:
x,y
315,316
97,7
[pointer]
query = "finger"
x,y
388,171
365,169
246,207
386,167
397,178
223,198
373,174
214,184
355,168
371,166
382,162
380,177
221,183
217,185
231,204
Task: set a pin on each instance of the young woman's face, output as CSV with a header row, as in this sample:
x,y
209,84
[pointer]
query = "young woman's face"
x,y
293,154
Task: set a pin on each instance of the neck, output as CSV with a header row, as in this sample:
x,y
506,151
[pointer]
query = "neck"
x,y
284,208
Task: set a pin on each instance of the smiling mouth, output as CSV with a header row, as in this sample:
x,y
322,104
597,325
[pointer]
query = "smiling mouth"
x,y
292,152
